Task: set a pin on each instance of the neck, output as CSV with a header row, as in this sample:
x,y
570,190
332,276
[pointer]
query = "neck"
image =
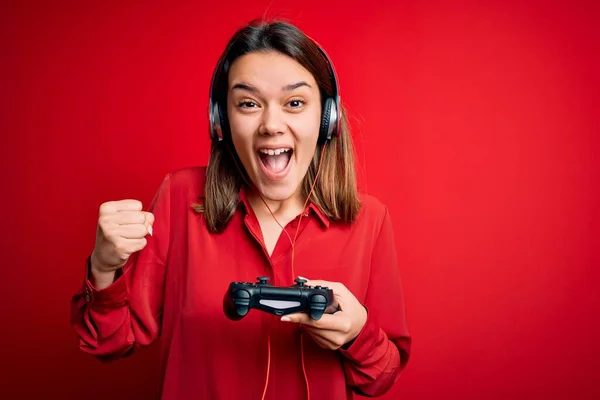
x,y
284,209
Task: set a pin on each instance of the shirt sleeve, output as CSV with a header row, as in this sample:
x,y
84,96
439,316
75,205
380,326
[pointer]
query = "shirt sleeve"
x,y
111,322
374,360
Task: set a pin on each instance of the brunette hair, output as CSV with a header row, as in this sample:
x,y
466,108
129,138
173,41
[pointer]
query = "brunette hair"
x,y
335,191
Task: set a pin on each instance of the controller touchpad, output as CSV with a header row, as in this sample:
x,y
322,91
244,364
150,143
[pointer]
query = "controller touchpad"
x,y
280,304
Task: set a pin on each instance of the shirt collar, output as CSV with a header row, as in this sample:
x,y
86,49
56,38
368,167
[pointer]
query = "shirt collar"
x,y
312,207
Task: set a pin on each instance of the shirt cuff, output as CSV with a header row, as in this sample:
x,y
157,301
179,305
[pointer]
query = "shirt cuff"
x,y
114,296
362,347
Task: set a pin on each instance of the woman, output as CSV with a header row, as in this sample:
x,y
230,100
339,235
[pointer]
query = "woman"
x,y
280,158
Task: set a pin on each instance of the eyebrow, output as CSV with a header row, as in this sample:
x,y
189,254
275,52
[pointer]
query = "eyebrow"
x,y
250,88
289,88
244,86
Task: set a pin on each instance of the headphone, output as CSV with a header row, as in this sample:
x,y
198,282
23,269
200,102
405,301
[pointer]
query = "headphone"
x,y
330,113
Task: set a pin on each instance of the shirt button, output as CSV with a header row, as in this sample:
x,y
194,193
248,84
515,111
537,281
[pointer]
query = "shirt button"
x,y
87,294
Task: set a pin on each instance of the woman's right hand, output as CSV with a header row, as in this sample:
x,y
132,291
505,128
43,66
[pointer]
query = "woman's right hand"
x,y
122,230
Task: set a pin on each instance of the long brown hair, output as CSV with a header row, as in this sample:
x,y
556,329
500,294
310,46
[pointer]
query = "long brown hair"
x,y
335,192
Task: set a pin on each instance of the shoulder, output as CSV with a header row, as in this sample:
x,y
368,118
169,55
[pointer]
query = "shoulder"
x,y
373,212
187,182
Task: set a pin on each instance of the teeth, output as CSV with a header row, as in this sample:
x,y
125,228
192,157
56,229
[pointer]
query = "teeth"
x,y
274,152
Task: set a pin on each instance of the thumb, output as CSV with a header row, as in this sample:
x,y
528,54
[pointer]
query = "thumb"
x,y
149,221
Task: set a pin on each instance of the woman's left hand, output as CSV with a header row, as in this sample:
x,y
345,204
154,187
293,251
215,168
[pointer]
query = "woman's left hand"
x,y
333,331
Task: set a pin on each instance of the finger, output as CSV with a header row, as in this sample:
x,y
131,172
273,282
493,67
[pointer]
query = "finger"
x,y
335,322
297,318
322,341
333,307
121,205
339,322
129,217
132,231
136,245
333,339
149,222
325,333
126,247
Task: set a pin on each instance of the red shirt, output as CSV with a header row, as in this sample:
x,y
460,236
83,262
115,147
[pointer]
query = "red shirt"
x,y
173,290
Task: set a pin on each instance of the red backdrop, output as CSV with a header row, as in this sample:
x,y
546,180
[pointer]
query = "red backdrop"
x,y
476,123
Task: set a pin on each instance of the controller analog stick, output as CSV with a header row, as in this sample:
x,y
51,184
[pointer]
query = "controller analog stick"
x,y
300,282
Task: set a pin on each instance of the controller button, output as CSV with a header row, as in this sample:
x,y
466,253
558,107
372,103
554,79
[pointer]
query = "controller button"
x,y
262,280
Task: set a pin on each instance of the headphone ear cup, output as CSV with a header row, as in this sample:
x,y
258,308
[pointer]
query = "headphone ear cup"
x,y
326,120
219,128
215,122
224,123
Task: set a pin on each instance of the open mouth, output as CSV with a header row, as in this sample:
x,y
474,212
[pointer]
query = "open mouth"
x,y
275,162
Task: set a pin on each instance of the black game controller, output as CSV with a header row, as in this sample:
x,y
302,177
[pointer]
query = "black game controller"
x,y
242,296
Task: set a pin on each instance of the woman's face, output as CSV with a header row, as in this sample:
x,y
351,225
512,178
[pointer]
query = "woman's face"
x,y
274,111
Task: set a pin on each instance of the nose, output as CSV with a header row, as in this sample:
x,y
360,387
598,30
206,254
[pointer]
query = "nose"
x,y
273,121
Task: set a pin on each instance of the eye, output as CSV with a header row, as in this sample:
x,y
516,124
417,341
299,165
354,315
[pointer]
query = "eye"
x,y
297,103
247,104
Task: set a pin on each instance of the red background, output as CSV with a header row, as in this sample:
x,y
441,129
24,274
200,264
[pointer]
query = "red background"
x,y
476,123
